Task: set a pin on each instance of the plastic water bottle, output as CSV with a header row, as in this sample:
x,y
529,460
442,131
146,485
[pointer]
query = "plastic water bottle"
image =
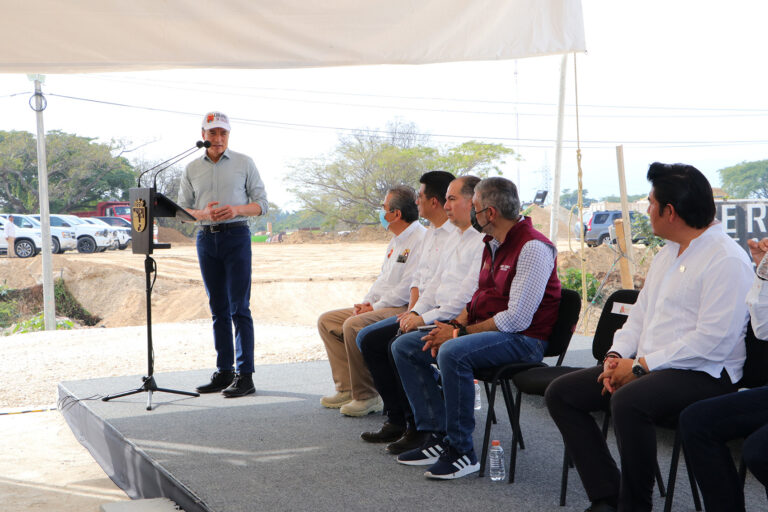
x,y
496,454
478,402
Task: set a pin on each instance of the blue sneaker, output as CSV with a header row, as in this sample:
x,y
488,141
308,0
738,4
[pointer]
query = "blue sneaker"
x,y
426,454
452,464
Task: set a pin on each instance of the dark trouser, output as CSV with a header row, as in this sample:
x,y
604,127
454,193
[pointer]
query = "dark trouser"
x,y
707,426
374,342
635,409
225,263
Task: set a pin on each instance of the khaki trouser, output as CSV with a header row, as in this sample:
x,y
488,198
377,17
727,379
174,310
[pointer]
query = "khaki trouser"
x,y
11,249
338,329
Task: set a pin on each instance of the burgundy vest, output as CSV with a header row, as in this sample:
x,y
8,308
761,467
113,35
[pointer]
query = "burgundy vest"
x,y
496,277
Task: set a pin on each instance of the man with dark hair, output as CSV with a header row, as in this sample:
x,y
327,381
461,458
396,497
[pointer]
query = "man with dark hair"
x,y
508,319
388,296
683,342
450,285
707,426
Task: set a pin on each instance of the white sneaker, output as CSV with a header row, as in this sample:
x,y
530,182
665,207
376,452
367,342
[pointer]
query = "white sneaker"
x,y
337,400
362,407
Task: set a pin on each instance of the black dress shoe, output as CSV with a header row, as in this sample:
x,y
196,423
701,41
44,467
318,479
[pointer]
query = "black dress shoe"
x,y
219,381
386,434
410,440
601,506
241,386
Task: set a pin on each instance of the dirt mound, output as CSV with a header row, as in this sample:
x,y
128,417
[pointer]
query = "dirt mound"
x,y
540,216
364,234
166,235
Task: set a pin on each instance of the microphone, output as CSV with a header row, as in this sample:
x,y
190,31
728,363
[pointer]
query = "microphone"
x,y
181,156
199,144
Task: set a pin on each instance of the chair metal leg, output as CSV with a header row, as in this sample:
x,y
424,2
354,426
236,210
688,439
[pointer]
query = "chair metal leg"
x,y
672,473
742,472
488,397
488,422
691,479
564,477
518,403
660,481
516,435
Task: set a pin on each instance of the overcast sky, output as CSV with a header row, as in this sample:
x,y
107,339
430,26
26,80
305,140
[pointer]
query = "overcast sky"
x,y
678,81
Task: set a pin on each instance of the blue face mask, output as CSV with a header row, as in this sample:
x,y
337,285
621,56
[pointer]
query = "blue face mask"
x,y
383,221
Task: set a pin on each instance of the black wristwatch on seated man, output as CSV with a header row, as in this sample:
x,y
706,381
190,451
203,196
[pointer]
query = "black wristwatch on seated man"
x,y
638,368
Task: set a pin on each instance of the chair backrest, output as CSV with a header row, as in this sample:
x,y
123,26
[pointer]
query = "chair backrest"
x,y
562,331
756,364
611,321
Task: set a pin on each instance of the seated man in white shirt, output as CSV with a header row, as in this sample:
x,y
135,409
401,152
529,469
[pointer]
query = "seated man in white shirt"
x,y
449,288
388,296
683,342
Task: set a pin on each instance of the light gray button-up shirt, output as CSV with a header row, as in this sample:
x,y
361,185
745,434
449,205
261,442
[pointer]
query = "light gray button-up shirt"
x,y
233,180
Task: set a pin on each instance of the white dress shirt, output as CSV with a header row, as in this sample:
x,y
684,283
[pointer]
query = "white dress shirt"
x,y
434,242
393,286
691,312
757,301
455,279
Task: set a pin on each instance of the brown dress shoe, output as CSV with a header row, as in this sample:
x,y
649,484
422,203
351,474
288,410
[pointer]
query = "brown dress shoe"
x,y
386,434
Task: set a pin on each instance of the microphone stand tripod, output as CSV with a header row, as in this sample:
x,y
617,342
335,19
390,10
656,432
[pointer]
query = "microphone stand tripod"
x,y
148,204
150,386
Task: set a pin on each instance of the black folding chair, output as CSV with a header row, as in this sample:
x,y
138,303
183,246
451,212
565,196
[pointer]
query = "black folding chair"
x,y
499,376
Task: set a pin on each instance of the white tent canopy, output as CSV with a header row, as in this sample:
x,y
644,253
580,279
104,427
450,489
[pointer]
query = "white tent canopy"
x,y
80,36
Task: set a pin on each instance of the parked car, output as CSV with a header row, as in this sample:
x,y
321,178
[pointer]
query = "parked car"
x,y
90,238
62,239
121,225
598,227
118,237
28,240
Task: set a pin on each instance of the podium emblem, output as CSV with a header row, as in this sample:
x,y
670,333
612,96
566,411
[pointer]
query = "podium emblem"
x,y
139,217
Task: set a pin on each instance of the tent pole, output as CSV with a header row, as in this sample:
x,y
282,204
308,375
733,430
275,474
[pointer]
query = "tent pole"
x,y
49,304
554,217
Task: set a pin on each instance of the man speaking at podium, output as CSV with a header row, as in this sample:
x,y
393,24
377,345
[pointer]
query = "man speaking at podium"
x,y
220,189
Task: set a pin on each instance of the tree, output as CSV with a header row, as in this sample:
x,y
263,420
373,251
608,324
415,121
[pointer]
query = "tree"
x,y
569,198
80,172
349,185
747,179
630,198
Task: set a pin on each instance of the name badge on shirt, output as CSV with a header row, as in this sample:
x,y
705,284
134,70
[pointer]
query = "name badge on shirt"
x,y
504,268
403,257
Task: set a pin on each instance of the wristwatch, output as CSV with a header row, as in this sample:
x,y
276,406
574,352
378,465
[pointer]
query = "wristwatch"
x,y
638,368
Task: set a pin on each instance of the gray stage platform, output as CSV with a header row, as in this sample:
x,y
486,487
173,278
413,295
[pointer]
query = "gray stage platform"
x,y
280,450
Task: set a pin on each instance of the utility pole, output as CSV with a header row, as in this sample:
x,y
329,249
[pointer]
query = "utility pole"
x,y
38,103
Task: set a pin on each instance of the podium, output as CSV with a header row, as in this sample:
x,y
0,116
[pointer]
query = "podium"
x,y
146,205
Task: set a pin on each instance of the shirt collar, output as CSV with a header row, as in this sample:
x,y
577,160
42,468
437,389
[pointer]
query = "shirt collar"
x,y
407,231
225,154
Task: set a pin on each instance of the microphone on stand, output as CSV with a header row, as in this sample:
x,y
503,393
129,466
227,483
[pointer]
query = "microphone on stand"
x,y
199,144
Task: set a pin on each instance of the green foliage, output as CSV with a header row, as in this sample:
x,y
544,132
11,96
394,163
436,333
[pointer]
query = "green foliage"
x,y
67,305
570,198
81,172
349,185
641,229
630,198
37,323
746,180
570,278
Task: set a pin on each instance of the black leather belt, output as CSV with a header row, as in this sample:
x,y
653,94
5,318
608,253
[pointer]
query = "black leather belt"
x,y
216,228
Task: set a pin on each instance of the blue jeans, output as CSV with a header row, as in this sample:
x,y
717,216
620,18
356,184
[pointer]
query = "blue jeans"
x,y
225,263
453,411
706,427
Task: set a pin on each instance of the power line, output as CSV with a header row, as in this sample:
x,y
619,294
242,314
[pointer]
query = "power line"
x,y
532,143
